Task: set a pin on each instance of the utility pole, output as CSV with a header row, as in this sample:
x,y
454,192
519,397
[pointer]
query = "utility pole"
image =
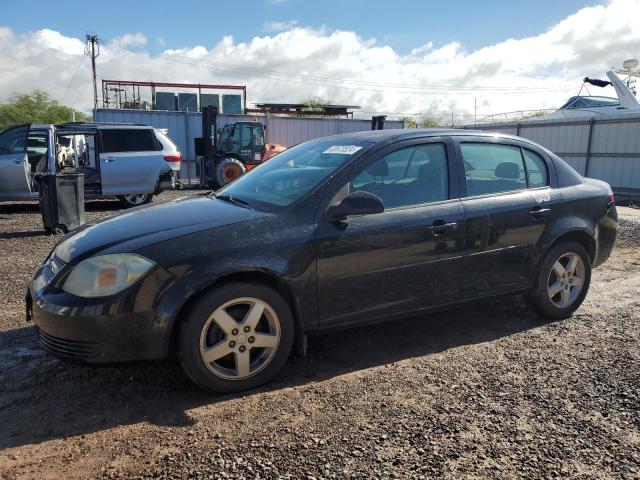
x,y
475,111
93,50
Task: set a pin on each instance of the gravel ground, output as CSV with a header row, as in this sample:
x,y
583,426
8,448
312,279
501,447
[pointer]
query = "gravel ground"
x,y
488,391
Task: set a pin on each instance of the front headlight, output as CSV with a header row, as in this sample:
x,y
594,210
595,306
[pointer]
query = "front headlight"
x,y
106,274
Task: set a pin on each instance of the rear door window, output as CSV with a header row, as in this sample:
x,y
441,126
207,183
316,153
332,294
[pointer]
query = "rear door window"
x,y
129,140
492,168
537,174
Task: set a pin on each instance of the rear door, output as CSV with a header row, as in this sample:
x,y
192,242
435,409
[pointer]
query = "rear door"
x,y
507,205
407,258
131,160
15,171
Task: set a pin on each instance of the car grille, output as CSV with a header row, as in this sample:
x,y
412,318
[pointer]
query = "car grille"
x,y
66,348
51,268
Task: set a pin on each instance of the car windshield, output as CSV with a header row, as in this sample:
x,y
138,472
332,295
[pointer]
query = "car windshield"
x,y
293,173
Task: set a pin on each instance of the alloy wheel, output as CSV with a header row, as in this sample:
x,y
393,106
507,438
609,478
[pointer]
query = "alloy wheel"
x,y
240,338
566,280
136,199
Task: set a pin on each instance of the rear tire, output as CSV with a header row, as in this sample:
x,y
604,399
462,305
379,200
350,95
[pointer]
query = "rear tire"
x,y
135,200
223,348
228,169
562,281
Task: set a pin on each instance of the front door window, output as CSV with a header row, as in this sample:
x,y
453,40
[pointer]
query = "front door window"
x,y
410,176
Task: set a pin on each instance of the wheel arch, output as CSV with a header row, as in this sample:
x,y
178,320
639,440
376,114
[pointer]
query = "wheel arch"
x,y
262,277
580,236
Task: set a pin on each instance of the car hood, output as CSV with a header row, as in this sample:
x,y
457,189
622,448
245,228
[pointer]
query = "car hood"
x,y
150,224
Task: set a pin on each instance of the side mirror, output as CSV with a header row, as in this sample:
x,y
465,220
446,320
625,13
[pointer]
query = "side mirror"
x,y
358,203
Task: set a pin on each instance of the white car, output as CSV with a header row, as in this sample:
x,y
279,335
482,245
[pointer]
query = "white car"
x,y
130,162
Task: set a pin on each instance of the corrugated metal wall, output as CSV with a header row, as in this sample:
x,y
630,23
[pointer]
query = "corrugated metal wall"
x,y
606,147
183,127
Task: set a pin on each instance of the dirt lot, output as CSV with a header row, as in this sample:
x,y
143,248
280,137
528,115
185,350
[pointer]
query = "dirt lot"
x,y
488,391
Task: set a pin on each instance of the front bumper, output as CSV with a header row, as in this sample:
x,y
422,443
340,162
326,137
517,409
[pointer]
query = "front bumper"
x,y
120,328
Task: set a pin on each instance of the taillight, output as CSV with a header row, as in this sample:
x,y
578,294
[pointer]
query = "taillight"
x,y
612,198
173,158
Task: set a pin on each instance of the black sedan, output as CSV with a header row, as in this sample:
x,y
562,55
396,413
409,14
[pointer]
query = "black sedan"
x,y
335,232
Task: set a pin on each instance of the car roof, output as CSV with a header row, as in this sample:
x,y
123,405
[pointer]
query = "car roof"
x,y
86,125
379,136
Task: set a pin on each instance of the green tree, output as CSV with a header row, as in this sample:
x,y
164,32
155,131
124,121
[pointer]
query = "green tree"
x,y
410,122
312,104
36,107
427,122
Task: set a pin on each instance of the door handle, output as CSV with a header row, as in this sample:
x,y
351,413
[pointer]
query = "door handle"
x,y
109,159
18,162
440,227
538,212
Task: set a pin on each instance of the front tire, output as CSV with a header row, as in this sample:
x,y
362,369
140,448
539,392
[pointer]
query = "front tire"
x,y
562,282
135,199
236,337
228,169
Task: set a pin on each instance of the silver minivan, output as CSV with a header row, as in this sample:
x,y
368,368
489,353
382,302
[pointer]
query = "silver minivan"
x,y
130,162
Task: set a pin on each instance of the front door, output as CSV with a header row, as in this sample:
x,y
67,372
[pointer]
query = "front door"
x,y
246,142
15,171
506,209
130,160
257,142
408,257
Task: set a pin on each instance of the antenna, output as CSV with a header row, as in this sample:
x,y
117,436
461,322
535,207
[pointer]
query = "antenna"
x,y
629,70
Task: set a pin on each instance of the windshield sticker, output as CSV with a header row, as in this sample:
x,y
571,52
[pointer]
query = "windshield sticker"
x,y
343,149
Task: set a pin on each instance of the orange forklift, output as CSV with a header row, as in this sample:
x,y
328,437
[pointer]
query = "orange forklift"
x,y
233,150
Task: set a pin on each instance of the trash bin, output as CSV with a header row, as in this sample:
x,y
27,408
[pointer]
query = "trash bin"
x,y
61,201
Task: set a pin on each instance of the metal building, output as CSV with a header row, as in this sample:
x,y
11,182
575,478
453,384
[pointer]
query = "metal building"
x,y
184,127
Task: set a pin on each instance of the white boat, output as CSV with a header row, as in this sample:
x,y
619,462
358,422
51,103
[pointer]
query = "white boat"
x,y
585,106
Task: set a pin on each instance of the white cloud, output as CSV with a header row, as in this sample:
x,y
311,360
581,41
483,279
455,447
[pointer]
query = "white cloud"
x,y
343,67
130,40
279,26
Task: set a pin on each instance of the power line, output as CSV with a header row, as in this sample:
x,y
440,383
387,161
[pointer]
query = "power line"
x,y
383,88
72,79
357,85
81,94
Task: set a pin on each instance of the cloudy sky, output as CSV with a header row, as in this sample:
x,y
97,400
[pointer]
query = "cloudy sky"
x,y
399,58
